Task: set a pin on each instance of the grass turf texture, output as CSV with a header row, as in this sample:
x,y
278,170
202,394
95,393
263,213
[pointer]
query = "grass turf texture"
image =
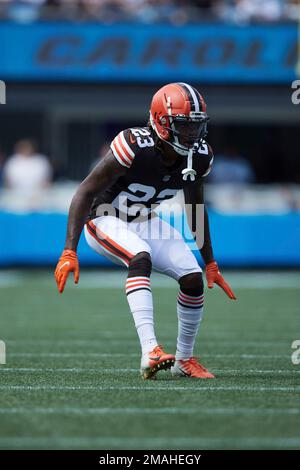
x,y
71,379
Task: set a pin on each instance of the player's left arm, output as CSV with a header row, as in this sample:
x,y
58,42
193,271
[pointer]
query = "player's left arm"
x,y
193,195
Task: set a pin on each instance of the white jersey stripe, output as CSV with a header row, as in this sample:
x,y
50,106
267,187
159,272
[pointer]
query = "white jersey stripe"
x,y
128,149
119,157
120,154
120,145
121,151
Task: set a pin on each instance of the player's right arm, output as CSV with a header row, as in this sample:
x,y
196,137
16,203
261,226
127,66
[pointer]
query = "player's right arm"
x,y
106,172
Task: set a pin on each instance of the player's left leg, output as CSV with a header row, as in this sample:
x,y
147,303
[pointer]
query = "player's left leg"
x,y
111,237
172,256
190,303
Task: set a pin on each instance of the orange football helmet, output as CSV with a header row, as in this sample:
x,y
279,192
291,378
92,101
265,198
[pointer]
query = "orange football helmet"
x,y
178,116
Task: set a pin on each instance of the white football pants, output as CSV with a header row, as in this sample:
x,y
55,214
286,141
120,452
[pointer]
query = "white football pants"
x,y
121,241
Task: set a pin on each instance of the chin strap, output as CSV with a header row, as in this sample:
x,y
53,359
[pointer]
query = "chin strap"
x,y
189,171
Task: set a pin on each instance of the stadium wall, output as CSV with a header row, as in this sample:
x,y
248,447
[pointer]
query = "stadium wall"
x,y
36,239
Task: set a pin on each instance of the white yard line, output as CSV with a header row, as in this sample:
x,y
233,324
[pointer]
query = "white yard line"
x,y
104,279
151,411
129,340
143,388
75,442
86,334
68,355
63,370
97,354
131,370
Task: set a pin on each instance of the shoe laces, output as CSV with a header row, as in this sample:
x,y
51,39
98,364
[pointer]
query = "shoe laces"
x,y
158,349
195,364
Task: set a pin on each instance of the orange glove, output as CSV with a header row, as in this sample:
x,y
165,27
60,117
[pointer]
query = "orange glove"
x,y
213,275
67,263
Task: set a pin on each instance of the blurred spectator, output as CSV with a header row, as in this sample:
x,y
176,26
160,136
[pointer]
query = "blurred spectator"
x,y
291,10
231,167
244,11
149,11
26,169
23,11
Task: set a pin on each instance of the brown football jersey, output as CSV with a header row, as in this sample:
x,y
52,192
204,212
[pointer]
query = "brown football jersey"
x,y
147,181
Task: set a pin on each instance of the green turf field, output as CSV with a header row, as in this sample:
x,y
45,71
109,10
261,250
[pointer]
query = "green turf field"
x,y
71,375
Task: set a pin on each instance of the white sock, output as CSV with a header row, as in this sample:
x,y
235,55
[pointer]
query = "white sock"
x,y
189,312
140,301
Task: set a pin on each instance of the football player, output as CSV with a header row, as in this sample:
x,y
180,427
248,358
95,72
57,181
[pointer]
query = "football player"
x,y
145,166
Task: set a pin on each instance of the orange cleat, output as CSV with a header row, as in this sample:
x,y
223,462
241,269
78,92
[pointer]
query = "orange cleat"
x,y
191,368
154,361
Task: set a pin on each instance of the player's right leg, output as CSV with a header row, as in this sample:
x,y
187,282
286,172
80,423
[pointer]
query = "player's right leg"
x,y
110,236
172,256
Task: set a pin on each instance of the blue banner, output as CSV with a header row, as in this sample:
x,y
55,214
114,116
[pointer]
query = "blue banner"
x,y
239,241
206,53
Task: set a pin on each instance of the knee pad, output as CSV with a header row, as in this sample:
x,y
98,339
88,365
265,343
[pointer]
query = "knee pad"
x,y
140,265
192,284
